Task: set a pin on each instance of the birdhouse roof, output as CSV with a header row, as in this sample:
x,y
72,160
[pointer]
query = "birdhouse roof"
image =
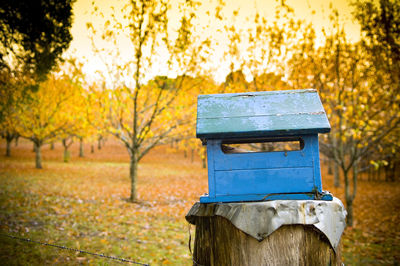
x,y
260,114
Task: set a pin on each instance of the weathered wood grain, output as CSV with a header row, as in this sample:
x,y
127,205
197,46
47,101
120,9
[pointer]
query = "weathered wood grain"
x,y
218,242
266,113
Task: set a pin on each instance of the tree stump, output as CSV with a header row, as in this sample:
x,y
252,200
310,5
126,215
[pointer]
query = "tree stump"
x,y
219,242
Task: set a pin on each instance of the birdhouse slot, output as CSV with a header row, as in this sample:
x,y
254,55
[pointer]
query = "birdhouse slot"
x,y
265,145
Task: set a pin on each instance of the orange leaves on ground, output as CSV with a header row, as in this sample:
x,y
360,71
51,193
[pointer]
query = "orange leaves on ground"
x,y
83,205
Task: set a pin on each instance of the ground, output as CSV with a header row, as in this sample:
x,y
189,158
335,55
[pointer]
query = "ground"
x,y
82,205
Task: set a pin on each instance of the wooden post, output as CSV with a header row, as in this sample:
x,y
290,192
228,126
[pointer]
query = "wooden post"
x,y
265,208
219,242
279,232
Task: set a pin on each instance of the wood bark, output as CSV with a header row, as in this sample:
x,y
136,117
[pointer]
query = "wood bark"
x,y
133,168
66,145
204,159
38,157
336,174
81,153
99,142
8,149
219,242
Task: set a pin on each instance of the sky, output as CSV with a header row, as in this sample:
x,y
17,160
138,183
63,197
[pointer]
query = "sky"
x,y
81,46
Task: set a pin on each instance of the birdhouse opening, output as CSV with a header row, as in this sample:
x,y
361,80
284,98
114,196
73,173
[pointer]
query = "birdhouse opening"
x,y
263,145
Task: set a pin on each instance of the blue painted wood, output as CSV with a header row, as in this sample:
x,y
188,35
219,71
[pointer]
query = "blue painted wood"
x,y
257,117
262,197
269,113
316,164
245,176
211,170
264,181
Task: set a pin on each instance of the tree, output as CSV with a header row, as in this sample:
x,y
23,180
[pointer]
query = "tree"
x,y
270,46
72,71
361,109
185,134
235,82
34,34
380,27
50,112
95,114
10,106
141,114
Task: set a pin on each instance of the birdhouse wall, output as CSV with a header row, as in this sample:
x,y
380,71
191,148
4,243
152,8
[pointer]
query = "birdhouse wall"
x,y
256,175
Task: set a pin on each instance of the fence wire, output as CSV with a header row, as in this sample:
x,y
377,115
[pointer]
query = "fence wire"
x,y
74,249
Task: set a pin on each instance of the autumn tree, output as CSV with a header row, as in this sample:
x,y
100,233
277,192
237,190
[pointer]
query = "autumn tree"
x,y
234,82
356,90
10,107
361,110
139,113
49,113
185,134
72,71
270,43
33,36
380,24
95,112
87,130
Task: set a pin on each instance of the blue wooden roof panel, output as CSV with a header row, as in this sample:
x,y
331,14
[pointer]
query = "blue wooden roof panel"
x,y
259,103
258,114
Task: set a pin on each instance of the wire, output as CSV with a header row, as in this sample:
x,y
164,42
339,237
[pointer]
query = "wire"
x,y
74,249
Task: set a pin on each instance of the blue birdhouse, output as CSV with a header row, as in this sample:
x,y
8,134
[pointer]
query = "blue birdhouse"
x,y
230,124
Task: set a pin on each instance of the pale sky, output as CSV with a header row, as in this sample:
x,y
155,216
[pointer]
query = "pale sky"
x,y
81,46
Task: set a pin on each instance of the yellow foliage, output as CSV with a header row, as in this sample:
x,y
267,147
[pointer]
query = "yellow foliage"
x,y
51,111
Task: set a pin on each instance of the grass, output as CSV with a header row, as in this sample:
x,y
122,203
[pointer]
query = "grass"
x,y
81,204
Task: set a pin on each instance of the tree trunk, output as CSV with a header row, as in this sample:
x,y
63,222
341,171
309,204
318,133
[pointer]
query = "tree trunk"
x,y
204,159
52,145
8,147
350,196
330,171
192,156
218,242
390,174
349,208
336,174
133,175
263,147
81,154
66,152
92,148
67,155
16,140
38,158
99,142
